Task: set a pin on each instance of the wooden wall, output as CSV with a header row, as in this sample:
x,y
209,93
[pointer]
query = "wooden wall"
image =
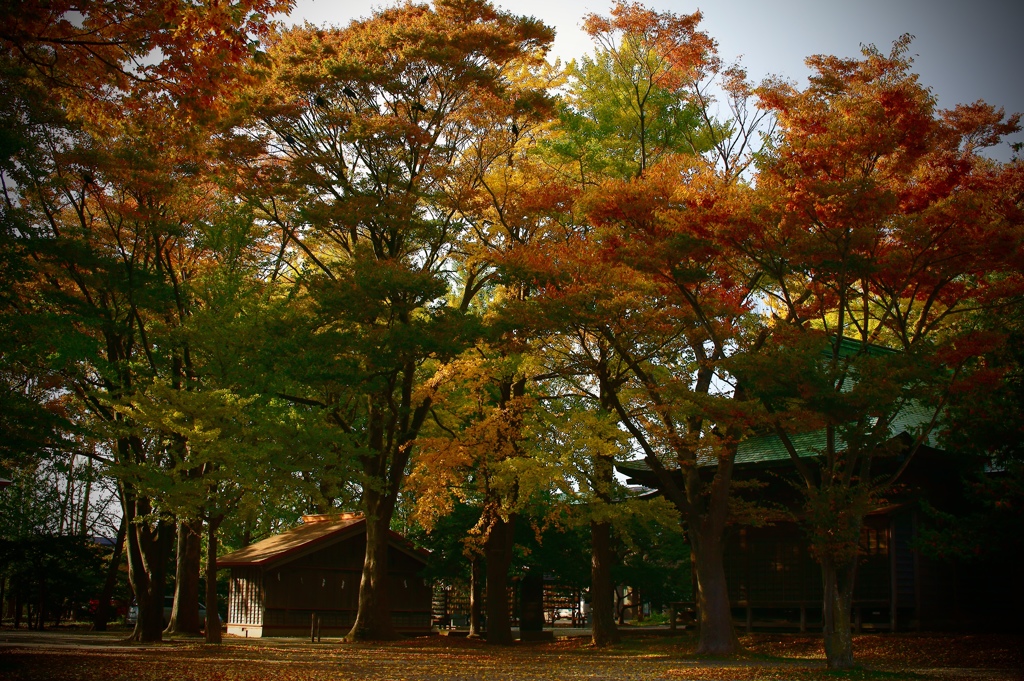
x,y
774,580
325,584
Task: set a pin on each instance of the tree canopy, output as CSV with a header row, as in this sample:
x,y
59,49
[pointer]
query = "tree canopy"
x,y
411,267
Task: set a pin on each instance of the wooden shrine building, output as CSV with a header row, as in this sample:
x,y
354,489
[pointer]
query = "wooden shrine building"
x,y
774,582
280,585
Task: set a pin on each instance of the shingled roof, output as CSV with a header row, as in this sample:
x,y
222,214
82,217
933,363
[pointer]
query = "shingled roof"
x,y
315,531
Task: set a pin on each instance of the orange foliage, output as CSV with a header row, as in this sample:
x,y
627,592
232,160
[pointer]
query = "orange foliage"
x,y
679,47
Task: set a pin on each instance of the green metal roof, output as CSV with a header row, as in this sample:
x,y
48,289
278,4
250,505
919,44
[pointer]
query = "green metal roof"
x,y
769,447
764,448
849,347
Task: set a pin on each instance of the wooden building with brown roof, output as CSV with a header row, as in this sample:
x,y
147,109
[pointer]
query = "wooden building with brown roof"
x,y
281,584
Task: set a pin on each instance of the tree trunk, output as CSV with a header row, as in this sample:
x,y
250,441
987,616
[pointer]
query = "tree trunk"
x,y
185,611
602,596
148,547
498,548
212,620
102,616
40,622
247,533
838,581
717,636
476,604
706,528
84,526
373,619
149,583
602,604
706,531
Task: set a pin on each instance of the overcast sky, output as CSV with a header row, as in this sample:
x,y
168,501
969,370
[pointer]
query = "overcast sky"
x,y
966,50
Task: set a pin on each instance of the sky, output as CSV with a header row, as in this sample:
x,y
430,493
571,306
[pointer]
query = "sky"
x,y
965,50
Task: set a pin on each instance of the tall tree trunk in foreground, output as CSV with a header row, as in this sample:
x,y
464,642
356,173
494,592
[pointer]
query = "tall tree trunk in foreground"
x,y
703,513
148,548
706,530
602,598
703,509
185,611
838,581
212,619
602,605
717,636
498,548
476,604
373,619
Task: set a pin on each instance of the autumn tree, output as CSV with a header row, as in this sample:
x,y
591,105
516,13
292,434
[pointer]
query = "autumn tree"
x,y
649,290
506,206
476,448
241,453
109,192
881,230
982,423
579,441
474,458
371,130
622,111
579,437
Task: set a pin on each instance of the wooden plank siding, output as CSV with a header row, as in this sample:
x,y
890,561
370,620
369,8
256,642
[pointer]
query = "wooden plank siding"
x,y
282,584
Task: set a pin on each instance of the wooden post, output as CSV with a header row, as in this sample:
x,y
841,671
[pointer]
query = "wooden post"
x,y
672,617
750,617
891,545
803,618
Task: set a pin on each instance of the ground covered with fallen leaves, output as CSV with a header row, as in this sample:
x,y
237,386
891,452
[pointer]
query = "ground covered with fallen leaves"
x,y
769,656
